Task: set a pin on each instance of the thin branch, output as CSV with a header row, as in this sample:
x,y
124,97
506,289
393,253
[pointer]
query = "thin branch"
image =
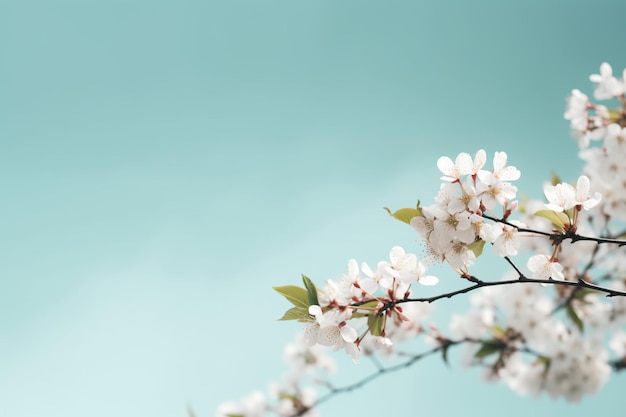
x,y
477,283
617,365
584,272
520,229
574,237
522,280
380,372
519,273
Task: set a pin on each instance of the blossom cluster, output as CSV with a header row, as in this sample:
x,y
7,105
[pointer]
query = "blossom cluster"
x,y
540,350
536,351
343,314
288,398
594,122
346,313
454,225
543,328
606,126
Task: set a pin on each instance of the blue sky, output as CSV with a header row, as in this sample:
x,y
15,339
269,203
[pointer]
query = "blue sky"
x,y
164,163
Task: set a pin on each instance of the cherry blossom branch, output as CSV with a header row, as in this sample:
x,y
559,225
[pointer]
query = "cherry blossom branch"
x,y
454,233
520,229
576,238
499,345
333,391
559,237
618,364
521,280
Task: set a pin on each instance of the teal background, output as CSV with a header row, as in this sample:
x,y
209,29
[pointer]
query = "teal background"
x,y
164,163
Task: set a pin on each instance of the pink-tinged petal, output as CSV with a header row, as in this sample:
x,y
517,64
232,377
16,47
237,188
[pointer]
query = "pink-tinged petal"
x,y
464,163
536,262
446,166
550,192
499,161
613,129
489,232
409,262
353,350
561,196
592,201
384,342
555,271
368,285
396,254
367,270
348,334
428,280
422,225
479,160
353,269
487,178
316,311
510,174
386,282
554,207
511,245
582,188
455,206
606,70
329,336
420,269
311,334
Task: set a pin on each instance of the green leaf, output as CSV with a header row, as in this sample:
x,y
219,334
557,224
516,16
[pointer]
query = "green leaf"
x,y
557,219
295,295
297,313
444,354
376,324
571,313
477,247
487,348
311,291
543,360
555,179
497,331
286,396
406,214
581,293
370,305
615,115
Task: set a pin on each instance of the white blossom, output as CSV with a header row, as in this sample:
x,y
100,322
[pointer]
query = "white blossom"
x,y
607,86
582,196
454,171
560,197
543,268
330,329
